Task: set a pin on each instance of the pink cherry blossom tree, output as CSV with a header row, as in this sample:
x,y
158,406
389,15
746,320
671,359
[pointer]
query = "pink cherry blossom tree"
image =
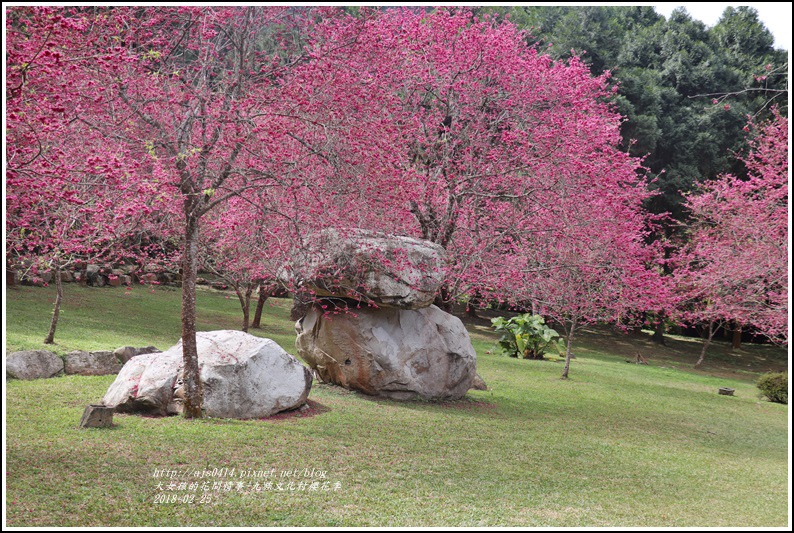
x,y
596,264
510,161
734,266
212,104
246,243
68,195
488,148
192,91
492,139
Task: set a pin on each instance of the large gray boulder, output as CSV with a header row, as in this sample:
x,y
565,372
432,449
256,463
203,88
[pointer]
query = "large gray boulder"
x,y
123,392
33,364
242,376
392,353
390,271
100,363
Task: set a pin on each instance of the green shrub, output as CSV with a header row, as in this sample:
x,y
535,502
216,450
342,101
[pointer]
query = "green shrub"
x,y
774,385
527,336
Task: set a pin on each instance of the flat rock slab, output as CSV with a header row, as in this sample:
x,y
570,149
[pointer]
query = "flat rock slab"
x,y
391,353
33,364
102,363
388,270
242,376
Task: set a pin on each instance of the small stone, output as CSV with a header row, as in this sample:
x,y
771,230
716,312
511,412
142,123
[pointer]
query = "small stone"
x,y
97,416
125,353
478,383
175,407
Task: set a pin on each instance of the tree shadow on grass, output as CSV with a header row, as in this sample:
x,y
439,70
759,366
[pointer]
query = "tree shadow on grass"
x,y
309,409
313,408
466,406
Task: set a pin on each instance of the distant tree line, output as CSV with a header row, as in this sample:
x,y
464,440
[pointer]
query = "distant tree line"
x,y
685,90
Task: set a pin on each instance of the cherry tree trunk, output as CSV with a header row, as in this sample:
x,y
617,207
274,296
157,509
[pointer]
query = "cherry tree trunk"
x,y
568,349
245,303
57,308
658,333
192,379
658,330
736,341
472,305
706,344
260,305
443,299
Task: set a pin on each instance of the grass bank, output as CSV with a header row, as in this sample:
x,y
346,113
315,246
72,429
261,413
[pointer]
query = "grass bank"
x,y
617,445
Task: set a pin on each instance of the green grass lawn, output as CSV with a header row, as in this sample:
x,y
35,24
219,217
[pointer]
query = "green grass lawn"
x,y
617,445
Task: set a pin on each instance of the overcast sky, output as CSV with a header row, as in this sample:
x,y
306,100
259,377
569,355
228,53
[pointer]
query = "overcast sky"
x,y
776,16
